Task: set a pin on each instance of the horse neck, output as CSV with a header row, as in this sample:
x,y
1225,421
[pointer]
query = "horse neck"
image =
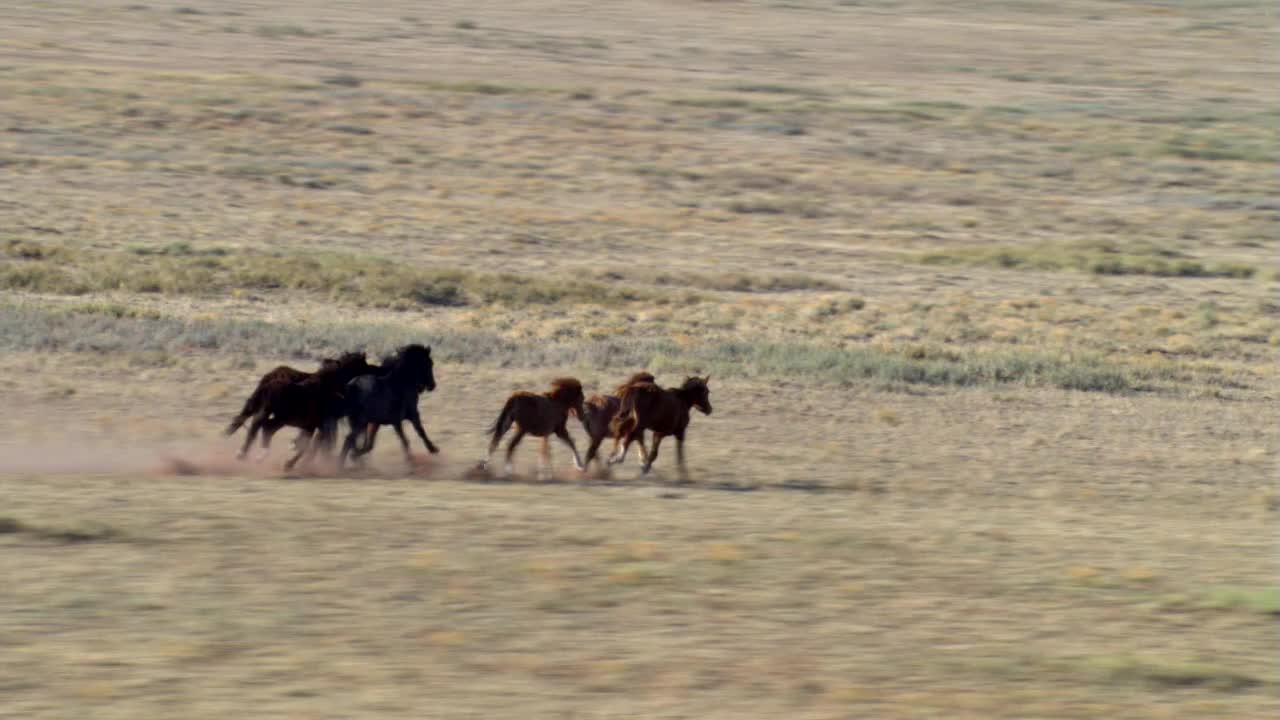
x,y
401,376
686,396
560,397
330,377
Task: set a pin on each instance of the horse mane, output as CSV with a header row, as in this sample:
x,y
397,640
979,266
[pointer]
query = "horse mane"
x,y
408,355
643,377
340,370
565,385
566,390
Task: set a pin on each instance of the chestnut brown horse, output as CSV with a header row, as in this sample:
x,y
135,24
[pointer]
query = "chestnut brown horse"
x,y
663,412
540,415
286,396
601,409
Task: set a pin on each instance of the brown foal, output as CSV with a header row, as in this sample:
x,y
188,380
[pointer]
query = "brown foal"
x,y
540,415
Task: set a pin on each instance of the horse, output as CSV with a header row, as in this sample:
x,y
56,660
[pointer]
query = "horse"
x,y
665,412
600,411
286,396
388,398
282,373
540,415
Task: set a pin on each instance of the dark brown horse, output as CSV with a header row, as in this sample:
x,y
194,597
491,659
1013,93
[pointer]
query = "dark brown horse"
x,y
662,411
601,409
309,404
540,415
282,373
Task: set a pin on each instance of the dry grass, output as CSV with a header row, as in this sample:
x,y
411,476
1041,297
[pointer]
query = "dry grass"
x,y
990,319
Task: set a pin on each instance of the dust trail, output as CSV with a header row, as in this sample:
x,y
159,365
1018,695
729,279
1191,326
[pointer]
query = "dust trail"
x,y
70,458
210,459
225,464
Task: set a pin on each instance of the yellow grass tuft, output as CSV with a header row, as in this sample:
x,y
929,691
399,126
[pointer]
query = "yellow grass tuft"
x,y
724,552
1084,574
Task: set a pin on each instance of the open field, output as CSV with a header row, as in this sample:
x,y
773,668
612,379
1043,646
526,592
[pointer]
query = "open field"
x,y
987,292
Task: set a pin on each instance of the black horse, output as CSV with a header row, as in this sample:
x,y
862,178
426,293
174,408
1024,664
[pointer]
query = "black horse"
x,y
388,398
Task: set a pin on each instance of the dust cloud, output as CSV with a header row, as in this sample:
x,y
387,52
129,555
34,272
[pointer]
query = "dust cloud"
x,y
216,459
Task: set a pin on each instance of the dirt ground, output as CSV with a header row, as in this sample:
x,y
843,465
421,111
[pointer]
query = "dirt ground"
x,y
1039,555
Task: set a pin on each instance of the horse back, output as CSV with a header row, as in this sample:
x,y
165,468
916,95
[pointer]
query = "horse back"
x,y
375,398
285,374
536,414
658,409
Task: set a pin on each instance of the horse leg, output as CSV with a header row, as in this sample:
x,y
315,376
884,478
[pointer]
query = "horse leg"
x,y
684,471
627,435
563,434
254,427
641,451
349,445
592,449
269,428
544,458
493,446
653,453
416,421
322,443
621,444
404,442
325,435
511,449
369,434
302,444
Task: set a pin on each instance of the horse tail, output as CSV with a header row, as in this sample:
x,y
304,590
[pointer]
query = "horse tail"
x,y
251,408
505,418
625,417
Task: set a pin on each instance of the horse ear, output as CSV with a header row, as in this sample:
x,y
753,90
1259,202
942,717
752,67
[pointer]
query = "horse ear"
x,y
706,379
428,350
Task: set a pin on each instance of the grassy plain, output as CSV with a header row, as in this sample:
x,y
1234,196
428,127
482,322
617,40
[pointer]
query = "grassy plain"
x,y
987,292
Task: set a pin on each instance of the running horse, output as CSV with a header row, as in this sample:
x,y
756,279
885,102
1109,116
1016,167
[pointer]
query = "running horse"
x,y
602,409
540,415
663,412
388,398
287,396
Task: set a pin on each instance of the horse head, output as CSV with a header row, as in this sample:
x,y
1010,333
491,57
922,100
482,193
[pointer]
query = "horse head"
x,y
416,361
697,394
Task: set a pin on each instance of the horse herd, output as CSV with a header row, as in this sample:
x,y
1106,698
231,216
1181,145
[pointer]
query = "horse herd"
x,y
370,396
